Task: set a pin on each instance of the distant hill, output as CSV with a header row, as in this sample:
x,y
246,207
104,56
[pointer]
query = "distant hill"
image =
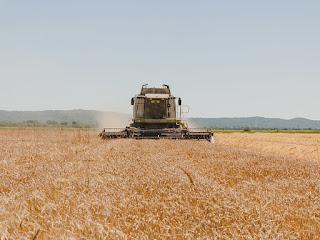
x,y
255,123
111,119
84,117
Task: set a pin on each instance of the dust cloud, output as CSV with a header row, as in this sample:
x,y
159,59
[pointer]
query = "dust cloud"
x,y
113,120
192,124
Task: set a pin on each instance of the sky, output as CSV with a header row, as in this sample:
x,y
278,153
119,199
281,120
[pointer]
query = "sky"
x,y
223,58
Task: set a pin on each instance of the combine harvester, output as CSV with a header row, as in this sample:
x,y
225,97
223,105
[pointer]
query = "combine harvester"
x,y
155,116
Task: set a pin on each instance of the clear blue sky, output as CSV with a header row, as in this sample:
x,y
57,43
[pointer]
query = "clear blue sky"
x,y
224,58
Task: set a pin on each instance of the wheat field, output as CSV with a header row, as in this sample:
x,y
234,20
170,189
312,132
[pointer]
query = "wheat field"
x,y
69,184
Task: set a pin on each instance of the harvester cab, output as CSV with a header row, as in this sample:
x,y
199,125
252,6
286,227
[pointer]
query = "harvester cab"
x,y
155,108
157,114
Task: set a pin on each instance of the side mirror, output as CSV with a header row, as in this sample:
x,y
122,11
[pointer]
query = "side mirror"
x,y
179,101
132,101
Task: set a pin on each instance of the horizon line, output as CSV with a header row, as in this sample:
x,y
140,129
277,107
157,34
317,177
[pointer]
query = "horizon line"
x,y
203,117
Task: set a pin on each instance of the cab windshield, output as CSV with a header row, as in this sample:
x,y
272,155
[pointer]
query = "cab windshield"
x,y
155,108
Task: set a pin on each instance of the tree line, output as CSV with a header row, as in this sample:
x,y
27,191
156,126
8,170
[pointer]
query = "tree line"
x,y
49,123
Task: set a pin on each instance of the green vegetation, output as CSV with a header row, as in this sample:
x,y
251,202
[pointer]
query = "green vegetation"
x,y
264,131
47,124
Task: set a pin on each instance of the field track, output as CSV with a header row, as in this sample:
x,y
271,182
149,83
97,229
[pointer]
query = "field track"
x,y
69,184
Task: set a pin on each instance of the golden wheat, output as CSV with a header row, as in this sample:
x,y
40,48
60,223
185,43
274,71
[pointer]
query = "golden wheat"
x,y
69,184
